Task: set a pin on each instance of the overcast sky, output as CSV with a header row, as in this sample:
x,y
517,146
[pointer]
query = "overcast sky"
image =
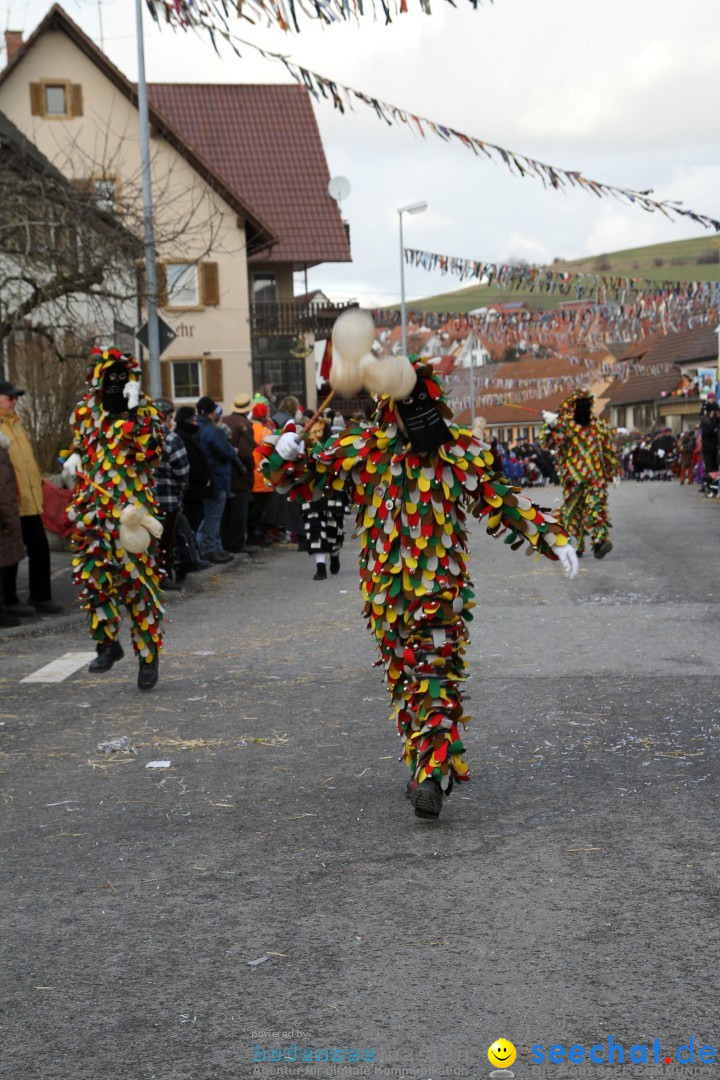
x,y
626,91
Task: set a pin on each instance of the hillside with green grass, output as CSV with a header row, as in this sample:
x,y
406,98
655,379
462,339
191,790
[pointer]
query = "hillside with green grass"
x,y
681,260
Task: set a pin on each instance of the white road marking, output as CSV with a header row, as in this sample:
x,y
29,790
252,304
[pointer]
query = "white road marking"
x,y
60,669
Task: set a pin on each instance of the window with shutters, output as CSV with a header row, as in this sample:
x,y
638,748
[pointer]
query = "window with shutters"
x,y
56,99
189,285
186,380
183,288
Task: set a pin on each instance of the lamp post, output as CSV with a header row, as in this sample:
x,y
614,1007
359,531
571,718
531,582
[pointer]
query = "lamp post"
x,y
154,379
411,208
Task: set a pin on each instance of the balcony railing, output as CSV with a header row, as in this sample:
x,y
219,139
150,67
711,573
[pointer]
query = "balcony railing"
x,y
295,316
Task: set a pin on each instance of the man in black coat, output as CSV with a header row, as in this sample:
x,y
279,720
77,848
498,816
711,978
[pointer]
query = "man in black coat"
x,y
200,484
709,423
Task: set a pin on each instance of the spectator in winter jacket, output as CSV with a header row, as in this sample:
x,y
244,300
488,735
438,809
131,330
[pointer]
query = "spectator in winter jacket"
x,y
12,549
709,423
171,480
235,520
263,492
200,486
29,482
221,455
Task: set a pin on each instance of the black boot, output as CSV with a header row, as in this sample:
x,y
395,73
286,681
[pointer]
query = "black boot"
x,y
320,572
147,674
7,621
107,654
334,564
601,550
427,799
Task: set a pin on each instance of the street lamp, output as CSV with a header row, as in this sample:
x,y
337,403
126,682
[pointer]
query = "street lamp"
x,y
411,208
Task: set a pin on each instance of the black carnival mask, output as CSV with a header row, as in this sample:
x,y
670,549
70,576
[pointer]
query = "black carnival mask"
x,y
425,426
114,382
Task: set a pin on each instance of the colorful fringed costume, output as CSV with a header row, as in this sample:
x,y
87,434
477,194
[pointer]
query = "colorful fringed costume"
x,y
118,452
411,519
586,462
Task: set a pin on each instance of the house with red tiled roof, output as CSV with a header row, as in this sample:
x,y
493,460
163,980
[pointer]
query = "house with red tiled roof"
x,y
235,214
659,380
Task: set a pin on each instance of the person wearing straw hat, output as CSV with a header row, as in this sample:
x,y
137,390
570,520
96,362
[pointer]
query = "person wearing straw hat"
x,y
117,445
237,508
412,476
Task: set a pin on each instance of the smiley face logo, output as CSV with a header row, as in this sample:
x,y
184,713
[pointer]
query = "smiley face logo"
x,y
501,1054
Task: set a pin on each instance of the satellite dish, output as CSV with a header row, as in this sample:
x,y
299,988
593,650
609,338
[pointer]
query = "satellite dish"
x,y
339,188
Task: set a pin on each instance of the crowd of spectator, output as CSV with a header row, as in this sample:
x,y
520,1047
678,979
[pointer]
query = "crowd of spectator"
x,y
690,456
216,503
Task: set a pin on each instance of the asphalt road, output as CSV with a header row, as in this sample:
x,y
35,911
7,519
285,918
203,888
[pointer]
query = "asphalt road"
x,y
568,894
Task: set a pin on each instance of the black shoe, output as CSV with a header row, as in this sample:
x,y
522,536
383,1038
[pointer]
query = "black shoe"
x,y
107,655
203,564
427,799
334,564
171,586
8,621
147,674
601,550
227,555
46,607
25,611
320,572
218,557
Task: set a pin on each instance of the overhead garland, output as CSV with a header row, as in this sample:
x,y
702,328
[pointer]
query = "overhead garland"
x,y
212,16
342,96
589,325
585,285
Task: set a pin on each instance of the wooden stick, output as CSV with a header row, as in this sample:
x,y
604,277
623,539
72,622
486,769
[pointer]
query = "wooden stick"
x,y
306,431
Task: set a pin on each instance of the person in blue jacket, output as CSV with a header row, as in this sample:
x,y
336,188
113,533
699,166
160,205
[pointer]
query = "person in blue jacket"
x,y
221,455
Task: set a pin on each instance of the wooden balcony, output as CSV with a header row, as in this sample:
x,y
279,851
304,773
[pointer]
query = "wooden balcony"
x,y
293,317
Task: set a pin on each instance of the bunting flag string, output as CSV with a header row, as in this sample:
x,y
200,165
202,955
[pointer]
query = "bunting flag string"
x,y
589,325
583,284
341,96
212,16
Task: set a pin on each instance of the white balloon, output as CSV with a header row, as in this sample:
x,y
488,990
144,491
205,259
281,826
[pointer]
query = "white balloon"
x,y
353,334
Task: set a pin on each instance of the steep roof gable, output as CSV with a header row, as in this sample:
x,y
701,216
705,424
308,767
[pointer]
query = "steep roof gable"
x,y
260,234
263,140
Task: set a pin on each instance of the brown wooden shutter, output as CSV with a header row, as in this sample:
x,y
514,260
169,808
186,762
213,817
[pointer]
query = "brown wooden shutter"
x,y
76,100
161,270
213,378
210,284
166,379
37,99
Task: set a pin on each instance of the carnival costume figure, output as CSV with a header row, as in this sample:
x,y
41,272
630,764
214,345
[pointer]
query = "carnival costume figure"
x,y
117,443
412,476
586,461
324,518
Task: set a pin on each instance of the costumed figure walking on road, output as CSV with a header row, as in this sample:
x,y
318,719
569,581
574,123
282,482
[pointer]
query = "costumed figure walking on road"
x,y
586,461
324,517
412,476
117,443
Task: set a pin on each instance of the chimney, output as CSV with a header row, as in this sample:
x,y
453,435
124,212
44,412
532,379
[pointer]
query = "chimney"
x,y
13,43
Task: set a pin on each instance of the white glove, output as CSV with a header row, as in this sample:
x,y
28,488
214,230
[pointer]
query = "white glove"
x,y
569,560
550,418
71,466
616,481
132,393
289,447
661,453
